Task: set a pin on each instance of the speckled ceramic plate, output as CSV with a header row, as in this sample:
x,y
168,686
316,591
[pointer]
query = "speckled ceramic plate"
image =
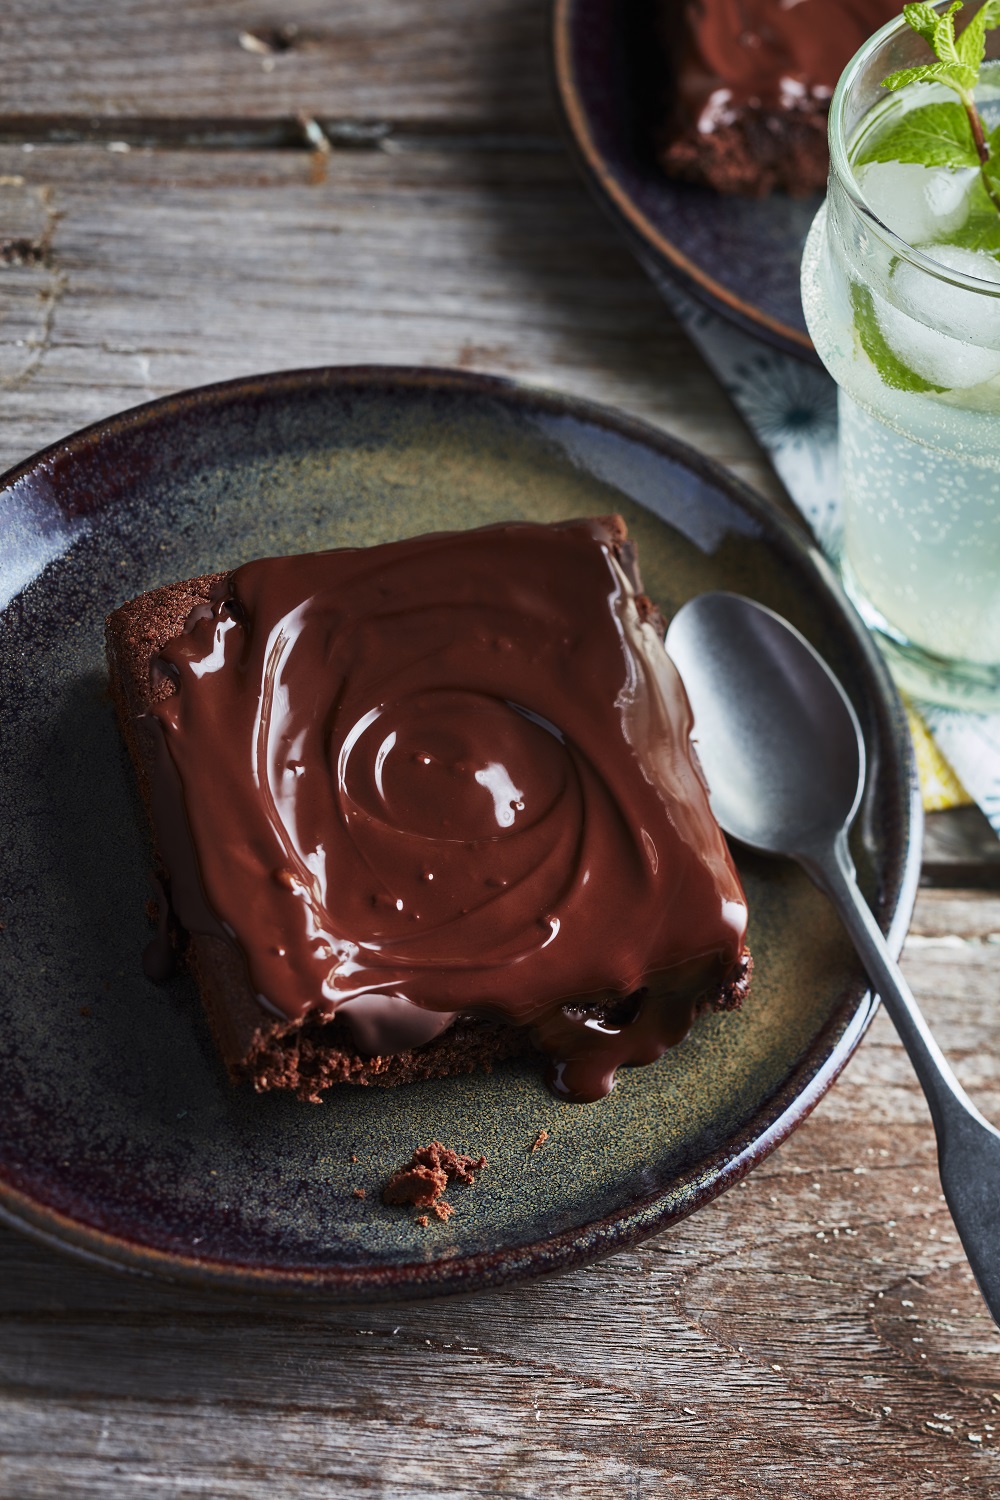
x,y
120,1137
740,256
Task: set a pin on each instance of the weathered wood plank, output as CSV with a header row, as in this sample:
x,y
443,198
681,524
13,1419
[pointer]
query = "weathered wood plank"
x,y
813,1333
953,918
960,848
169,269
447,66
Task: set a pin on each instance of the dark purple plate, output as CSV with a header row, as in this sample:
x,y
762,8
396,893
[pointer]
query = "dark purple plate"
x,y
739,256
120,1137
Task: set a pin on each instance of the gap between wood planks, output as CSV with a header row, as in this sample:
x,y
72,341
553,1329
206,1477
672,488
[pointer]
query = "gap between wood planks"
x,y
301,132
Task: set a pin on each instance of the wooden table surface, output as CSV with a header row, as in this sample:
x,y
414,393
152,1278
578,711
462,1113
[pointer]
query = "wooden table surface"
x,y
165,220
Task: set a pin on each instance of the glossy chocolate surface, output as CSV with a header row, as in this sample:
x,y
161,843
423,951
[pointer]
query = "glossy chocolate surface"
x,y
769,54
444,776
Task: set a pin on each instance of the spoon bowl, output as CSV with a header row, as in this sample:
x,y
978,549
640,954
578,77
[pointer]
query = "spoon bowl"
x,y
776,735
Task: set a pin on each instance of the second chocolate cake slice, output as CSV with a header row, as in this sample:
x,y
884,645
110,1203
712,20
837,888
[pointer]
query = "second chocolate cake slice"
x,y
429,804
752,84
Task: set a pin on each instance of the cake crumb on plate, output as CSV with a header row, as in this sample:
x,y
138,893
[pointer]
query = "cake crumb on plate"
x,y
426,1175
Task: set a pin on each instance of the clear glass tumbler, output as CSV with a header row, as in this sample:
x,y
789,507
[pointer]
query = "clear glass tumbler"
x,y
912,338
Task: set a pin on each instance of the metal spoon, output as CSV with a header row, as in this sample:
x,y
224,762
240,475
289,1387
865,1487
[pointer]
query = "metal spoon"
x,y
784,757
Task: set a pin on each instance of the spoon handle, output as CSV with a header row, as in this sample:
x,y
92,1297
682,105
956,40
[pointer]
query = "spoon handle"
x,y
968,1145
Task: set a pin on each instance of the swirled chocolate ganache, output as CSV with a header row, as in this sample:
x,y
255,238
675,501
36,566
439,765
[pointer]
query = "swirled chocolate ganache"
x,y
752,84
429,804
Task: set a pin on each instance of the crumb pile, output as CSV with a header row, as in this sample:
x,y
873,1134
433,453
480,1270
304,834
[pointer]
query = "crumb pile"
x,y
426,1175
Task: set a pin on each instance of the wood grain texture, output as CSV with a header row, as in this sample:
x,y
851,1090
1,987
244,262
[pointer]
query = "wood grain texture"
x,y
960,848
814,1333
448,66
167,269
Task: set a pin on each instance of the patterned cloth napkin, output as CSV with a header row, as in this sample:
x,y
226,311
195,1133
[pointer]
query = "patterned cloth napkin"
x,y
791,407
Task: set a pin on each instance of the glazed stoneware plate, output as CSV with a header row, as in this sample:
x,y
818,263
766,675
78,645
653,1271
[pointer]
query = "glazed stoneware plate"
x,y
740,256
120,1136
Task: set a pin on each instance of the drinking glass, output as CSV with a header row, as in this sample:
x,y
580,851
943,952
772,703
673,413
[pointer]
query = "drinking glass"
x,y
914,345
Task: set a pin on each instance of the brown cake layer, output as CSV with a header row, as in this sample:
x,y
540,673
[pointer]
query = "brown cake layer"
x,y
305,1053
759,153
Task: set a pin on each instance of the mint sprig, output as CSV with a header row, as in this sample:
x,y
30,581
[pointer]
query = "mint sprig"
x,y
947,133
943,134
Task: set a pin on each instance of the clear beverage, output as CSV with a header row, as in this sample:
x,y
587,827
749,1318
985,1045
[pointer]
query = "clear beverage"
x,y
904,309
922,538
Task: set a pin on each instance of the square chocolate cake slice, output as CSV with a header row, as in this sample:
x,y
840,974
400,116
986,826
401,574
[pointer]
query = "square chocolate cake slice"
x,y
426,805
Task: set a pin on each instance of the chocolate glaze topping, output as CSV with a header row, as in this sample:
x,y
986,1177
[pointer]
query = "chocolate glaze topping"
x,y
445,776
769,54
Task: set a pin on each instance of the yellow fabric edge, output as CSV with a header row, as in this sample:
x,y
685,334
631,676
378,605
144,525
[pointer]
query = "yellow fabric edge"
x,y
939,786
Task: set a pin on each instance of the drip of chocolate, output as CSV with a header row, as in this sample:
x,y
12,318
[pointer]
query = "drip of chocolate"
x,y
450,776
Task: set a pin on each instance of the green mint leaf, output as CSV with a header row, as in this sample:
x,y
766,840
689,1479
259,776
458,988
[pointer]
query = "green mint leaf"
x,y
971,44
943,41
979,198
981,231
923,19
922,74
936,135
955,74
891,368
